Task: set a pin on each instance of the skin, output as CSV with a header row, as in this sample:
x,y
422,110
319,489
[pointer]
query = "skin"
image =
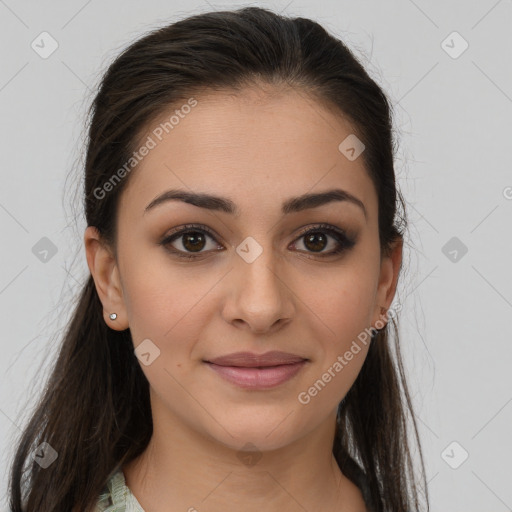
x,y
258,149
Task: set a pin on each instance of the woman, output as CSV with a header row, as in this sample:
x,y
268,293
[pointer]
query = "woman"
x,y
230,349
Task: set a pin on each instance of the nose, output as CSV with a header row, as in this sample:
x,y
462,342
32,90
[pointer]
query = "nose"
x,y
261,300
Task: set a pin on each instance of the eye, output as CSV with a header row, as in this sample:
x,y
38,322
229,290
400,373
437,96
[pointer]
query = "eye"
x,y
192,239
315,240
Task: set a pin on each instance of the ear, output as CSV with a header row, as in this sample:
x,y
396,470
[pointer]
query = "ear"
x,y
389,269
104,270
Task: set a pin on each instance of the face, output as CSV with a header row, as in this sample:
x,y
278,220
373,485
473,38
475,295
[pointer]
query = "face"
x,y
195,283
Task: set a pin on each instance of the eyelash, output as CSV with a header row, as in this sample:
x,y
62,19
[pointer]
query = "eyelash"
x,y
345,242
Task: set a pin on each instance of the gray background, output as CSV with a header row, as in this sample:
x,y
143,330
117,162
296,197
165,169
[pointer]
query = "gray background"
x,y
452,115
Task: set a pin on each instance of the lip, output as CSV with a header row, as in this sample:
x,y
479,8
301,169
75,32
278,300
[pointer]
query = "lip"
x,y
252,360
258,378
257,371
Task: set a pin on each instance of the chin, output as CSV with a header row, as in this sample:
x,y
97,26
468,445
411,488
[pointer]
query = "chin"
x,y
258,432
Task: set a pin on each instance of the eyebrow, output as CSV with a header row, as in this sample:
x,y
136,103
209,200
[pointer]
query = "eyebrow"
x,y
224,204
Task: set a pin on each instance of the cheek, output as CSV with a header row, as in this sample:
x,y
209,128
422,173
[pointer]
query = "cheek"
x,y
342,307
162,313
342,346
165,303
152,287
343,303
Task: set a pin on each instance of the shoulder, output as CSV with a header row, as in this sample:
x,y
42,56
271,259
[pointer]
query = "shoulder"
x,y
108,497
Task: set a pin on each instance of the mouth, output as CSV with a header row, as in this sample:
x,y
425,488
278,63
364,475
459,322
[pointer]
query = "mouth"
x,y
253,371
253,360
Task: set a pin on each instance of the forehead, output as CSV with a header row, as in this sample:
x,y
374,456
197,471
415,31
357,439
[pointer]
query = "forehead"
x,y
256,148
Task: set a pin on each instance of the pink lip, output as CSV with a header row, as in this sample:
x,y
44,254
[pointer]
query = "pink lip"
x,y
258,378
252,360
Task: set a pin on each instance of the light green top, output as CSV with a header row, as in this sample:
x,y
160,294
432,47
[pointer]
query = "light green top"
x,y
117,497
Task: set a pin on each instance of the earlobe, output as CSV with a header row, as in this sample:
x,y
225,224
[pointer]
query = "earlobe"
x,y
104,270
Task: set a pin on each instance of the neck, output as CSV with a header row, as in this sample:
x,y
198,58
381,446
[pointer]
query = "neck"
x,y
183,469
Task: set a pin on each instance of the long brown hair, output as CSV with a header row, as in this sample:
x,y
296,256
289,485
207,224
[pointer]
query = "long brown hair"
x,y
94,410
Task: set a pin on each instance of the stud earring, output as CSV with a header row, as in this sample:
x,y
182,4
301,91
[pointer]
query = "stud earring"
x,y
113,316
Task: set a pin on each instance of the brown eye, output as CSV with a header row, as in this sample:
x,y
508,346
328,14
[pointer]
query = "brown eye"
x,y
193,241
317,239
190,240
